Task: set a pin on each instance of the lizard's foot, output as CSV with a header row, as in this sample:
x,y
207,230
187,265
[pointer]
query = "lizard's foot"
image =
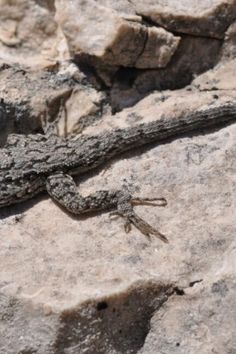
x,y
149,201
125,210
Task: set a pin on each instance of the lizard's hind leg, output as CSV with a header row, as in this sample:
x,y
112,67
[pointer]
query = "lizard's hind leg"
x,y
63,190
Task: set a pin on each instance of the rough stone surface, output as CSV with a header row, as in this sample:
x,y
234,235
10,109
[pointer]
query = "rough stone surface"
x,y
82,285
219,78
114,35
29,33
111,37
190,323
208,18
229,46
194,56
76,279
31,97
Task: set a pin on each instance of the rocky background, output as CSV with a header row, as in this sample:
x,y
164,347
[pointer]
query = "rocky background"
x,y
72,286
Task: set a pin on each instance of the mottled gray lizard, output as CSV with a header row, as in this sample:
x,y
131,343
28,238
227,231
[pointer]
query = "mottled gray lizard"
x,y
33,163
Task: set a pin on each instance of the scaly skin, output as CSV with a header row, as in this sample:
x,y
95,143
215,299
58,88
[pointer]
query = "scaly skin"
x,y
33,163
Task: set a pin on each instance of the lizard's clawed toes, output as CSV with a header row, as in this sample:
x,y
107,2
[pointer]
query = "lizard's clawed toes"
x,y
131,218
149,201
125,210
143,226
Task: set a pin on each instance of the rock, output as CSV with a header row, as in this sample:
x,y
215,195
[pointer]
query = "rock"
x,y
82,285
31,97
71,286
113,35
29,34
166,103
194,56
229,45
189,323
208,18
219,78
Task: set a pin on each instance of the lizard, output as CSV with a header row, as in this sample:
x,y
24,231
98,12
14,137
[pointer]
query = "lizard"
x,y
30,164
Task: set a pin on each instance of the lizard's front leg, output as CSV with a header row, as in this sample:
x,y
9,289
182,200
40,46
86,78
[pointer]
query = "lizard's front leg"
x,y
63,190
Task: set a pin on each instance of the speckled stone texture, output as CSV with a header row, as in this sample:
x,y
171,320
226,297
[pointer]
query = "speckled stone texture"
x,y
82,285
73,275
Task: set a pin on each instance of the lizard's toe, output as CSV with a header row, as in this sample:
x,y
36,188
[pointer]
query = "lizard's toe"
x,y
125,210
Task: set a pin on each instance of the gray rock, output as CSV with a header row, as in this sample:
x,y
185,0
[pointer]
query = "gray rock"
x,y
32,97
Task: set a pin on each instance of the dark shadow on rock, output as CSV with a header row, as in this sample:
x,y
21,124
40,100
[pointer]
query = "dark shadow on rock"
x,y
194,56
118,323
22,207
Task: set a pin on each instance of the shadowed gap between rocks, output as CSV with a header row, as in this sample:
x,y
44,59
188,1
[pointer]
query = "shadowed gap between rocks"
x,y
194,56
128,85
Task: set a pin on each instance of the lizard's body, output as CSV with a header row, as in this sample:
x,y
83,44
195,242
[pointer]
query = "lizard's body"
x,y
33,163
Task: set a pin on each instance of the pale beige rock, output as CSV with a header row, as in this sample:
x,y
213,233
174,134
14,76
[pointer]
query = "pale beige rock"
x,y
114,36
198,17
163,104
82,285
203,319
29,33
74,286
229,45
84,106
222,77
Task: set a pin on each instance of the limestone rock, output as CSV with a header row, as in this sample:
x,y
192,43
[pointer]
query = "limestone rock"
x,y
29,34
114,35
82,285
74,286
189,323
219,78
199,17
222,76
229,45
